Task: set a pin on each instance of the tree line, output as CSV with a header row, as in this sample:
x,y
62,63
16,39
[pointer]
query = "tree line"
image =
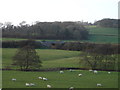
x,y
106,49
47,30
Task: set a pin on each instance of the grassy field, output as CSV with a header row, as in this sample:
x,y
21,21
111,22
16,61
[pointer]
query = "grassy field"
x,y
103,35
51,58
57,80
11,39
102,39
97,35
102,30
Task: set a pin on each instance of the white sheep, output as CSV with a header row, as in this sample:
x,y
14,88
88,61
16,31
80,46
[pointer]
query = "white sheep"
x,y
32,84
61,72
71,88
109,72
40,78
48,86
13,79
45,79
70,70
90,70
79,75
95,71
99,85
27,84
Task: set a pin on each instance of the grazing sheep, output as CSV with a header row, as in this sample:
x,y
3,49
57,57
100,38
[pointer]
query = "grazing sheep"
x,y
13,79
79,75
45,79
70,70
48,86
27,84
71,88
109,72
61,72
95,71
99,85
90,70
32,84
40,78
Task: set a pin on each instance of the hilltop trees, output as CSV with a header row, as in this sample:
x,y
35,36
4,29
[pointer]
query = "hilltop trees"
x,y
26,57
47,30
112,23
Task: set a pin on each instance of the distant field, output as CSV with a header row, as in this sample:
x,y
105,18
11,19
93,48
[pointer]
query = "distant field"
x,y
102,39
11,39
51,58
97,35
103,35
57,80
102,30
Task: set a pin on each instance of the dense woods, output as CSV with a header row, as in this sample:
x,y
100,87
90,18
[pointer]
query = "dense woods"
x,y
47,30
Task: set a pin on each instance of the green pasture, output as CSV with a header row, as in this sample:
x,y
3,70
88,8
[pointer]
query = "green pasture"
x,y
50,58
57,80
102,39
103,30
12,39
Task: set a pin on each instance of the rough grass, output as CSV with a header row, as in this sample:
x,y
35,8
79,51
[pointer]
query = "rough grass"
x,y
57,80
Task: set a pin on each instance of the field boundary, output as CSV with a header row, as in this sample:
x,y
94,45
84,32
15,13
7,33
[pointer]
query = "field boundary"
x,y
57,69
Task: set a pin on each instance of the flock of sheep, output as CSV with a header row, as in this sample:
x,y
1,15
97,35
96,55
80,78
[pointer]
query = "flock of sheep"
x,y
61,72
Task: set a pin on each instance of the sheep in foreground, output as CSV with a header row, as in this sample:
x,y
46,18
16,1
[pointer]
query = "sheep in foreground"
x,y
48,86
61,72
99,85
79,75
13,79
40,78
27,84
95,71
71,88
90,70
32,84
109,72
71,70
45,79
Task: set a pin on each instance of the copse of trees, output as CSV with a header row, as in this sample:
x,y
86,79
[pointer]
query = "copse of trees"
x,y
47,30
105,49
99,61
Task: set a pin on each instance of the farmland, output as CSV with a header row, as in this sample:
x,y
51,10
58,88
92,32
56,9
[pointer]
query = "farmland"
x,y
53,58
57,80
102,35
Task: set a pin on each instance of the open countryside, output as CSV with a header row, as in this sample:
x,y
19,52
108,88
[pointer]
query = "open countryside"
x,y
60,55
